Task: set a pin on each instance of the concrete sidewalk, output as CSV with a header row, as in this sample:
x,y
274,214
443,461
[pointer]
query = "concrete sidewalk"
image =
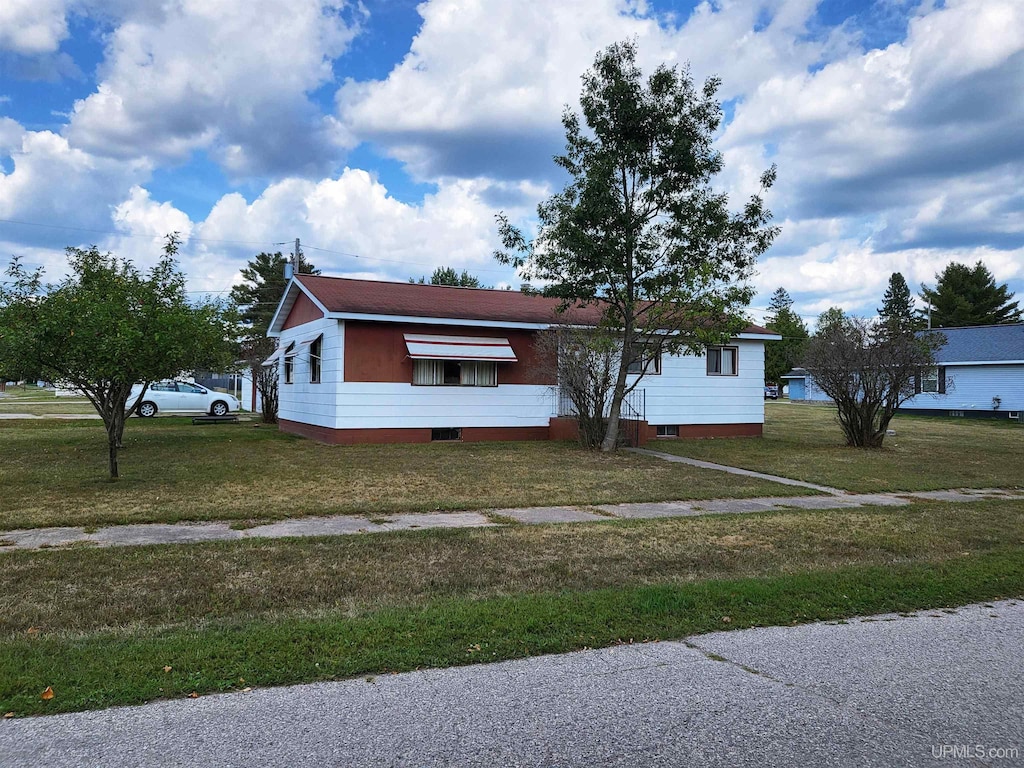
x,y
917,690
183,533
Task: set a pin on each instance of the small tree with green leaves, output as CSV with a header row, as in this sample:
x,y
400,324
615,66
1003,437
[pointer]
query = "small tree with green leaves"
x,y
833,317
108,326
781,356
640,230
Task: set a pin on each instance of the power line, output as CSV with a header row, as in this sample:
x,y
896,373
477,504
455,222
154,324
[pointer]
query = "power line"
x,y
126,234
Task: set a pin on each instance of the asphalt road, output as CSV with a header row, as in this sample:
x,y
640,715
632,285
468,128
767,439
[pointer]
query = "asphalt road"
x,y
929,689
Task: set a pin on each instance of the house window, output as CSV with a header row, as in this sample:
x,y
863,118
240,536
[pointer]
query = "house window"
x,y
722,361
930,380
668,430
289,363
645,359
315,356
445,434
455,373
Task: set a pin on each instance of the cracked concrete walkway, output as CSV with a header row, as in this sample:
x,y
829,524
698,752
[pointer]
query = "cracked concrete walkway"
x,y
184,533
737,471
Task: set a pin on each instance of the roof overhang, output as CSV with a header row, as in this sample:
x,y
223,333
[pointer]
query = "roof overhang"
x,y
429,347
291,294
979,362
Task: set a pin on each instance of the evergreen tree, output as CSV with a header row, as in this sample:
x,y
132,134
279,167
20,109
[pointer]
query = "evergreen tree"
x,y
261,289
781,356
448,276
969,296
897,315
255,302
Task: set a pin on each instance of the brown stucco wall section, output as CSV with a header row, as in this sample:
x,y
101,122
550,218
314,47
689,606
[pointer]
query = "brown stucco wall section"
x,y
377,352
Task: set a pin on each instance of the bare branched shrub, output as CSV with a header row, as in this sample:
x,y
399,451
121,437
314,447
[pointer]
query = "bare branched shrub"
x,y
868,374
585,362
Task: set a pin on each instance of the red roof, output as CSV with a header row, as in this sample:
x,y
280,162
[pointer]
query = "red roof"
x,y
373,297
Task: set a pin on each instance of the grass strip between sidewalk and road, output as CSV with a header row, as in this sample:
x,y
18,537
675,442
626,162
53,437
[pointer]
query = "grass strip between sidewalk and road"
x,y
111,668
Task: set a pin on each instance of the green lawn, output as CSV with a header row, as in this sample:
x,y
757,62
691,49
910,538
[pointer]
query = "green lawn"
x,y
53,473
100,625
18,405
804,442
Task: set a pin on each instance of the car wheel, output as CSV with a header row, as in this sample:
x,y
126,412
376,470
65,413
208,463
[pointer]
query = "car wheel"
x,y
147,410
219,408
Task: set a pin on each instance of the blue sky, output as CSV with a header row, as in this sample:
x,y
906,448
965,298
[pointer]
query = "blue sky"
x,y
387,134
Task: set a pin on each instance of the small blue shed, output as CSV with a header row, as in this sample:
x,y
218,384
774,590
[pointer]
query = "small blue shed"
x,y
802,387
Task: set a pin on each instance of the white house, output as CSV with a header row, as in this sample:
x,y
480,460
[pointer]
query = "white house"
x,y
366,361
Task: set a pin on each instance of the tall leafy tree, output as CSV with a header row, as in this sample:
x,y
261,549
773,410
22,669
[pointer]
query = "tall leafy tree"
x,y
833,317
639,230
108,326
255,299
897,315
969,296
448,276
781,356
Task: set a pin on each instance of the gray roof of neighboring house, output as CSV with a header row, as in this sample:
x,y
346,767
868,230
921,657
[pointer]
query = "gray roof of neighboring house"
x,y
796,373
982,343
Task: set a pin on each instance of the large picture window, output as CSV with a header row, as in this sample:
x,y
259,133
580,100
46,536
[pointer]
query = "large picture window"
x,y
455,373
722,361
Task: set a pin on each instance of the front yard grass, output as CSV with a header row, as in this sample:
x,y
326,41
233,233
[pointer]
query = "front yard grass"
x,y
54,473
45,409
804,442
100,625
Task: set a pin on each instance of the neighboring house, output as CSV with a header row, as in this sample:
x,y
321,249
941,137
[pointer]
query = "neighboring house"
x,y
980,374
802,387
365,361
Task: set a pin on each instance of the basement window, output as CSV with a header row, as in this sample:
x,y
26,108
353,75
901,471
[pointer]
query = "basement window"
x,y
668,430
445,434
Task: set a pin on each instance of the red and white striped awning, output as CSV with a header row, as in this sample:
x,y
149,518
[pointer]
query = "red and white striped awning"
x,y
424,347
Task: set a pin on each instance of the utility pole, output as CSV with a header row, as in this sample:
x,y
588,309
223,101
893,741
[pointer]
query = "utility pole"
x,y
295,257
929,312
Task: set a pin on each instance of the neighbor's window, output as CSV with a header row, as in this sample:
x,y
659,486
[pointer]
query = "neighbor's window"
x,y
289,363
722,361
668,430
315,355
455,373
645,358
930,380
